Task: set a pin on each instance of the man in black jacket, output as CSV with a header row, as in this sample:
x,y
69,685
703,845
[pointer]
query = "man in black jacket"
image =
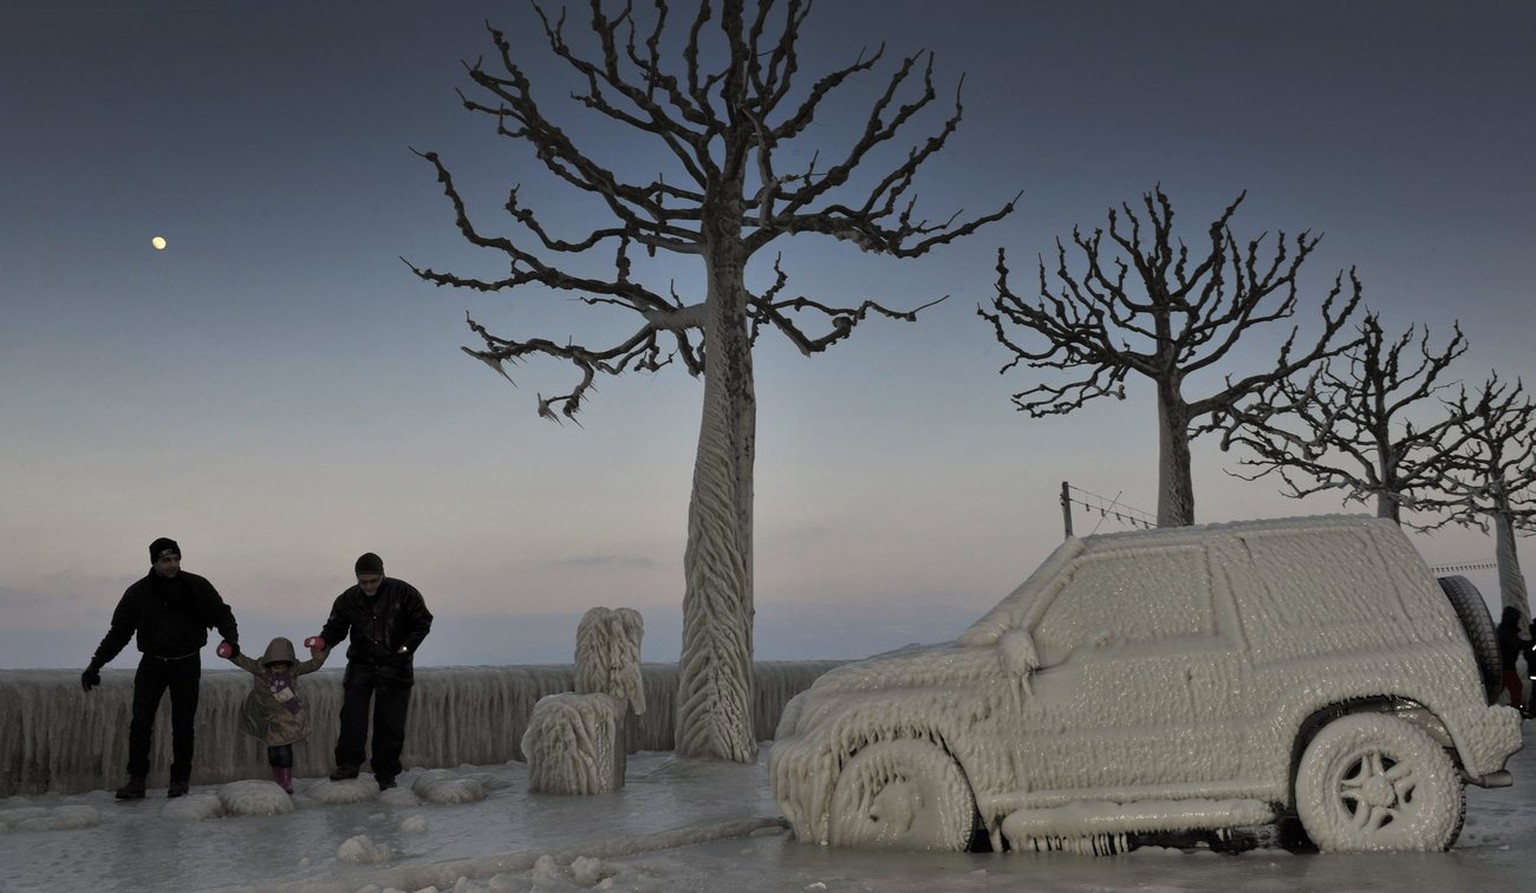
x,y
387,619
171,612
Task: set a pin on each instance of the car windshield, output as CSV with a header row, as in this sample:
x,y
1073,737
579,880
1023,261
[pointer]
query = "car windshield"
x,y
1017,609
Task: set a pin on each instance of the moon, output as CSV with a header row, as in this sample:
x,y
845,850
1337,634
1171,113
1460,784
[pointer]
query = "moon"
x,y
158,242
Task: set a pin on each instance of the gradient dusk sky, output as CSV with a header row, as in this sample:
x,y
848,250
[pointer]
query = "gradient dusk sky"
x,y
277,392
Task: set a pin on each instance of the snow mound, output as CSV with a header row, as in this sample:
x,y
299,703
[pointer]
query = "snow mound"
x,y
353,790
195,807
253,797
489,781
587,871
415,824
402,797
363,849
442,786
59,818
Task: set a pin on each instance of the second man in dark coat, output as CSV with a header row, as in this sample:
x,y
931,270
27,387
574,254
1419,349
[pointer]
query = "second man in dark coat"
x,y
386,620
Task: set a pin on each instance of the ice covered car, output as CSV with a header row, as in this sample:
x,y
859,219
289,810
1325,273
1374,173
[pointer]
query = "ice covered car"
x,y
1184,679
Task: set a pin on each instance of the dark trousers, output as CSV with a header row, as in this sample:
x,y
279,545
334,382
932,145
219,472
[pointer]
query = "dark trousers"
x,y
1513,687
390,699
154,677
280,756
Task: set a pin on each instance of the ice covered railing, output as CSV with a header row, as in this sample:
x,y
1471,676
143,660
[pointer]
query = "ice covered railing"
x,y
55,737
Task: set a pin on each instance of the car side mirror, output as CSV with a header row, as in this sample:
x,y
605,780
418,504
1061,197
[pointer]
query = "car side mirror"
x,y
1016,651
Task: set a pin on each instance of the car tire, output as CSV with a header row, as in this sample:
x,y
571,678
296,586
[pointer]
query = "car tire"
x,y
907,795
1373,783
1478,625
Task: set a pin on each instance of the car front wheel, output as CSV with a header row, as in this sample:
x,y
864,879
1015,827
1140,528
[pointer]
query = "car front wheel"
x,y
1371,782
907,795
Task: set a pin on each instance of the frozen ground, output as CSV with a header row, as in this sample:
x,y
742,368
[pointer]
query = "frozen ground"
x,y
676,826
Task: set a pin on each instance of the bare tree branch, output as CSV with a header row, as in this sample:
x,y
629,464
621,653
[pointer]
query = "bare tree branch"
x,y
1493,472
717,124
1144,303
1351,425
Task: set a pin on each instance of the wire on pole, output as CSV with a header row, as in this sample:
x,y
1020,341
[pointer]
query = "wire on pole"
x,y
1107,508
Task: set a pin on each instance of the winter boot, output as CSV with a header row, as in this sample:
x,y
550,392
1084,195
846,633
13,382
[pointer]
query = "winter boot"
x,y
133,790
177,788
283,777
342,773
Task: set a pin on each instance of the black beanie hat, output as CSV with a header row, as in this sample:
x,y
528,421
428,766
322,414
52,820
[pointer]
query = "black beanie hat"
x,y
161,547
369,563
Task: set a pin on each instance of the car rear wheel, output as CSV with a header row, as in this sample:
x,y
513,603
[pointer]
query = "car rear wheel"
x,y
907,795
1472,611
1371,782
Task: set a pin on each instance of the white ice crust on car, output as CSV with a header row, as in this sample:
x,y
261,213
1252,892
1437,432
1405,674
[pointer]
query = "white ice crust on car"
x,y
1162,680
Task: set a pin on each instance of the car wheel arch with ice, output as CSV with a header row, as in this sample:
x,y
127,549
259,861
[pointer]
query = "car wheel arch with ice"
x,y
902,794
1373,782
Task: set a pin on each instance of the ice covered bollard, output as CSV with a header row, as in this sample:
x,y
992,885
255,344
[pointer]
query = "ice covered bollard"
x,y
576,742
608,655
572,744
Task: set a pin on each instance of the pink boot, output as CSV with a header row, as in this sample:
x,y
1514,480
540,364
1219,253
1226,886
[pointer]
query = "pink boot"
x,y
284,778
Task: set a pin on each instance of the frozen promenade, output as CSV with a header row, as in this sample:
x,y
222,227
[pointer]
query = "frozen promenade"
x,y
677,826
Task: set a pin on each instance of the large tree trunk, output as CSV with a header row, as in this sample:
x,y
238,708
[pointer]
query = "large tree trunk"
x,y
1388,507
1176,488
1389,502
1511,581
714,702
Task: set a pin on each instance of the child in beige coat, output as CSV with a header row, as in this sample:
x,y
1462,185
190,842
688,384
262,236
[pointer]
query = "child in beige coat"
x,y
273,712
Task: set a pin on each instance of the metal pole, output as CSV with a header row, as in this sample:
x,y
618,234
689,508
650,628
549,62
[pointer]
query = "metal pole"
x,y
1066,508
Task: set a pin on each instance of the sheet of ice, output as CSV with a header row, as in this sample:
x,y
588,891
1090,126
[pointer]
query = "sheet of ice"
x,y
679,827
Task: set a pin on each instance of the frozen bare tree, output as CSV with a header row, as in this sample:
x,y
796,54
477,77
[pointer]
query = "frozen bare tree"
x,y
1493,475
1368,423
1147,304
718,96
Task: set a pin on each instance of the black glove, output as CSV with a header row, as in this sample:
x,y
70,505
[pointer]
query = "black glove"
x,y
90,678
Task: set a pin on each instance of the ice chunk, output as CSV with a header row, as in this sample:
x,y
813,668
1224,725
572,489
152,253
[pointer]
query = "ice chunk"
x,y
195,807
443,786
354,790
255,798
362,848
